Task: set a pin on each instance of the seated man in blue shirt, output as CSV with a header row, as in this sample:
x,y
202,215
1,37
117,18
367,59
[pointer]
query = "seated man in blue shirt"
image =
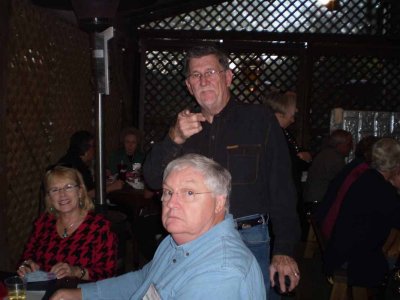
x,y
204,256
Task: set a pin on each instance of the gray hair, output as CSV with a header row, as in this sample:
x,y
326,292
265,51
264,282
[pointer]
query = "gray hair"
x,y
386,155
280,102
217,178
200,51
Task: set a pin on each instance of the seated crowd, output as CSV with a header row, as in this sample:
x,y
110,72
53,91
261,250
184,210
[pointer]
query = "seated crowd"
x,y
362,207
80,155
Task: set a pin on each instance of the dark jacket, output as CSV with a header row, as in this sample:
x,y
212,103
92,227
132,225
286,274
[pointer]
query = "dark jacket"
x,y
369,210
247,140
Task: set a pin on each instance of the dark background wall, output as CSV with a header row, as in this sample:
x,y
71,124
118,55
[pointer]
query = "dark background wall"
x,y
47,93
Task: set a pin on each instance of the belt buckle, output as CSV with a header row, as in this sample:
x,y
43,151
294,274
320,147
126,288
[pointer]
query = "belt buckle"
x,y
245,226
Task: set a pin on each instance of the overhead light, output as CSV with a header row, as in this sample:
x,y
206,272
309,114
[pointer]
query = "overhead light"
x,y
330,4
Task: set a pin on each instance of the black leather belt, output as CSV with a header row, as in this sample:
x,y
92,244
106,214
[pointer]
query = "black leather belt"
x,y
243,224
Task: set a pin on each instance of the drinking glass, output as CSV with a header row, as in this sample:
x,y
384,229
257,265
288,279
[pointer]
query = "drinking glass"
x,y
16,288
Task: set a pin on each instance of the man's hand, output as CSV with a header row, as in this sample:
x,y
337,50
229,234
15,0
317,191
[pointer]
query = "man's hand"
x,y
187,124
306,156
67,294
284,265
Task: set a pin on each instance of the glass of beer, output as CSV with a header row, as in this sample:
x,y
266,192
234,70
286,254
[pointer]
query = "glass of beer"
x,y
16,288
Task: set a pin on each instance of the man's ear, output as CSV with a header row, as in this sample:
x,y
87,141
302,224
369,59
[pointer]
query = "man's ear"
x,y
228,77
189,87
220,203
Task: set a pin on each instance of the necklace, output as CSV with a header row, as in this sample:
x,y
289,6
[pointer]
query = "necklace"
x,y
66,228
65,233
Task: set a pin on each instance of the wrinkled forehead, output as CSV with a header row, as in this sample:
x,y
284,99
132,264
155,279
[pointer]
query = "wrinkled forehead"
x,y
184,175
204,62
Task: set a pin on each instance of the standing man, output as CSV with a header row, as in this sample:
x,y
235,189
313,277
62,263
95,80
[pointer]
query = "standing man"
x,y
247,140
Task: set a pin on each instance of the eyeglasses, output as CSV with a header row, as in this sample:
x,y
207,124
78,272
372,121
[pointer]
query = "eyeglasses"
x,y
209,75
66,188
186,195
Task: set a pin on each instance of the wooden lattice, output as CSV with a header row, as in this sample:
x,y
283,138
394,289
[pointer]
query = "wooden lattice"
x,y
48,98
166,94
350,17
50,94
321,80
353,83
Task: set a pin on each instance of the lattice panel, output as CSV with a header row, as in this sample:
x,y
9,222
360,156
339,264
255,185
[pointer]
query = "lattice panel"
x,y
48,98
302,16
166,94
353,83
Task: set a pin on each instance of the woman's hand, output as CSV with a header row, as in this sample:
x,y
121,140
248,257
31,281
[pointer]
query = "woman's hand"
x,y
62,270
26,267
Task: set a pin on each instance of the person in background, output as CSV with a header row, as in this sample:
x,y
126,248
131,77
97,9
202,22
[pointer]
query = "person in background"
x,y
370,209
247,140
326,213
284,107
129,153
69,239
326,165
204,256
80,155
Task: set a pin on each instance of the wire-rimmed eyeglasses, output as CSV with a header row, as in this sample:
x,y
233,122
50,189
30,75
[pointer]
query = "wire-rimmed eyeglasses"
x,y
66,188
186,195
209,75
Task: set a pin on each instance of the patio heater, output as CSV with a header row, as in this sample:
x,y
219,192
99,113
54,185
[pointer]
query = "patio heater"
x,y
96,18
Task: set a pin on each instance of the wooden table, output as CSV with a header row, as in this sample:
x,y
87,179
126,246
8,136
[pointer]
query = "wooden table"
x,y
136,205
131,201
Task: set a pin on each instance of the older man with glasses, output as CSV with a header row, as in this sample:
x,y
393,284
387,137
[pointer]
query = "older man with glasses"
x,y
247,140
204,256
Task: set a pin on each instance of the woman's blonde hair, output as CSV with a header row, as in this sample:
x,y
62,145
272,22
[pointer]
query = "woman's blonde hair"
x,y
85,202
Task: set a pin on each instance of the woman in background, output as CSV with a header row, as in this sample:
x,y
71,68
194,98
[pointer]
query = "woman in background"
x,y
69,239
370,209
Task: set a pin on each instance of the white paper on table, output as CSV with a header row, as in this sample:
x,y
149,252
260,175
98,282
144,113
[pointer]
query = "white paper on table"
x,y
38,276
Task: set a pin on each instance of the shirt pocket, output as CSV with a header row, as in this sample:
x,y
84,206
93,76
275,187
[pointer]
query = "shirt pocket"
x,y
243,163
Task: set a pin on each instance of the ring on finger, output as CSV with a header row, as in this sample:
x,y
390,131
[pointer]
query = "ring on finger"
x,y
296,274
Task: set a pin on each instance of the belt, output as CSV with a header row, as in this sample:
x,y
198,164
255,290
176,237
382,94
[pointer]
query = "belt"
x,y
244,224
